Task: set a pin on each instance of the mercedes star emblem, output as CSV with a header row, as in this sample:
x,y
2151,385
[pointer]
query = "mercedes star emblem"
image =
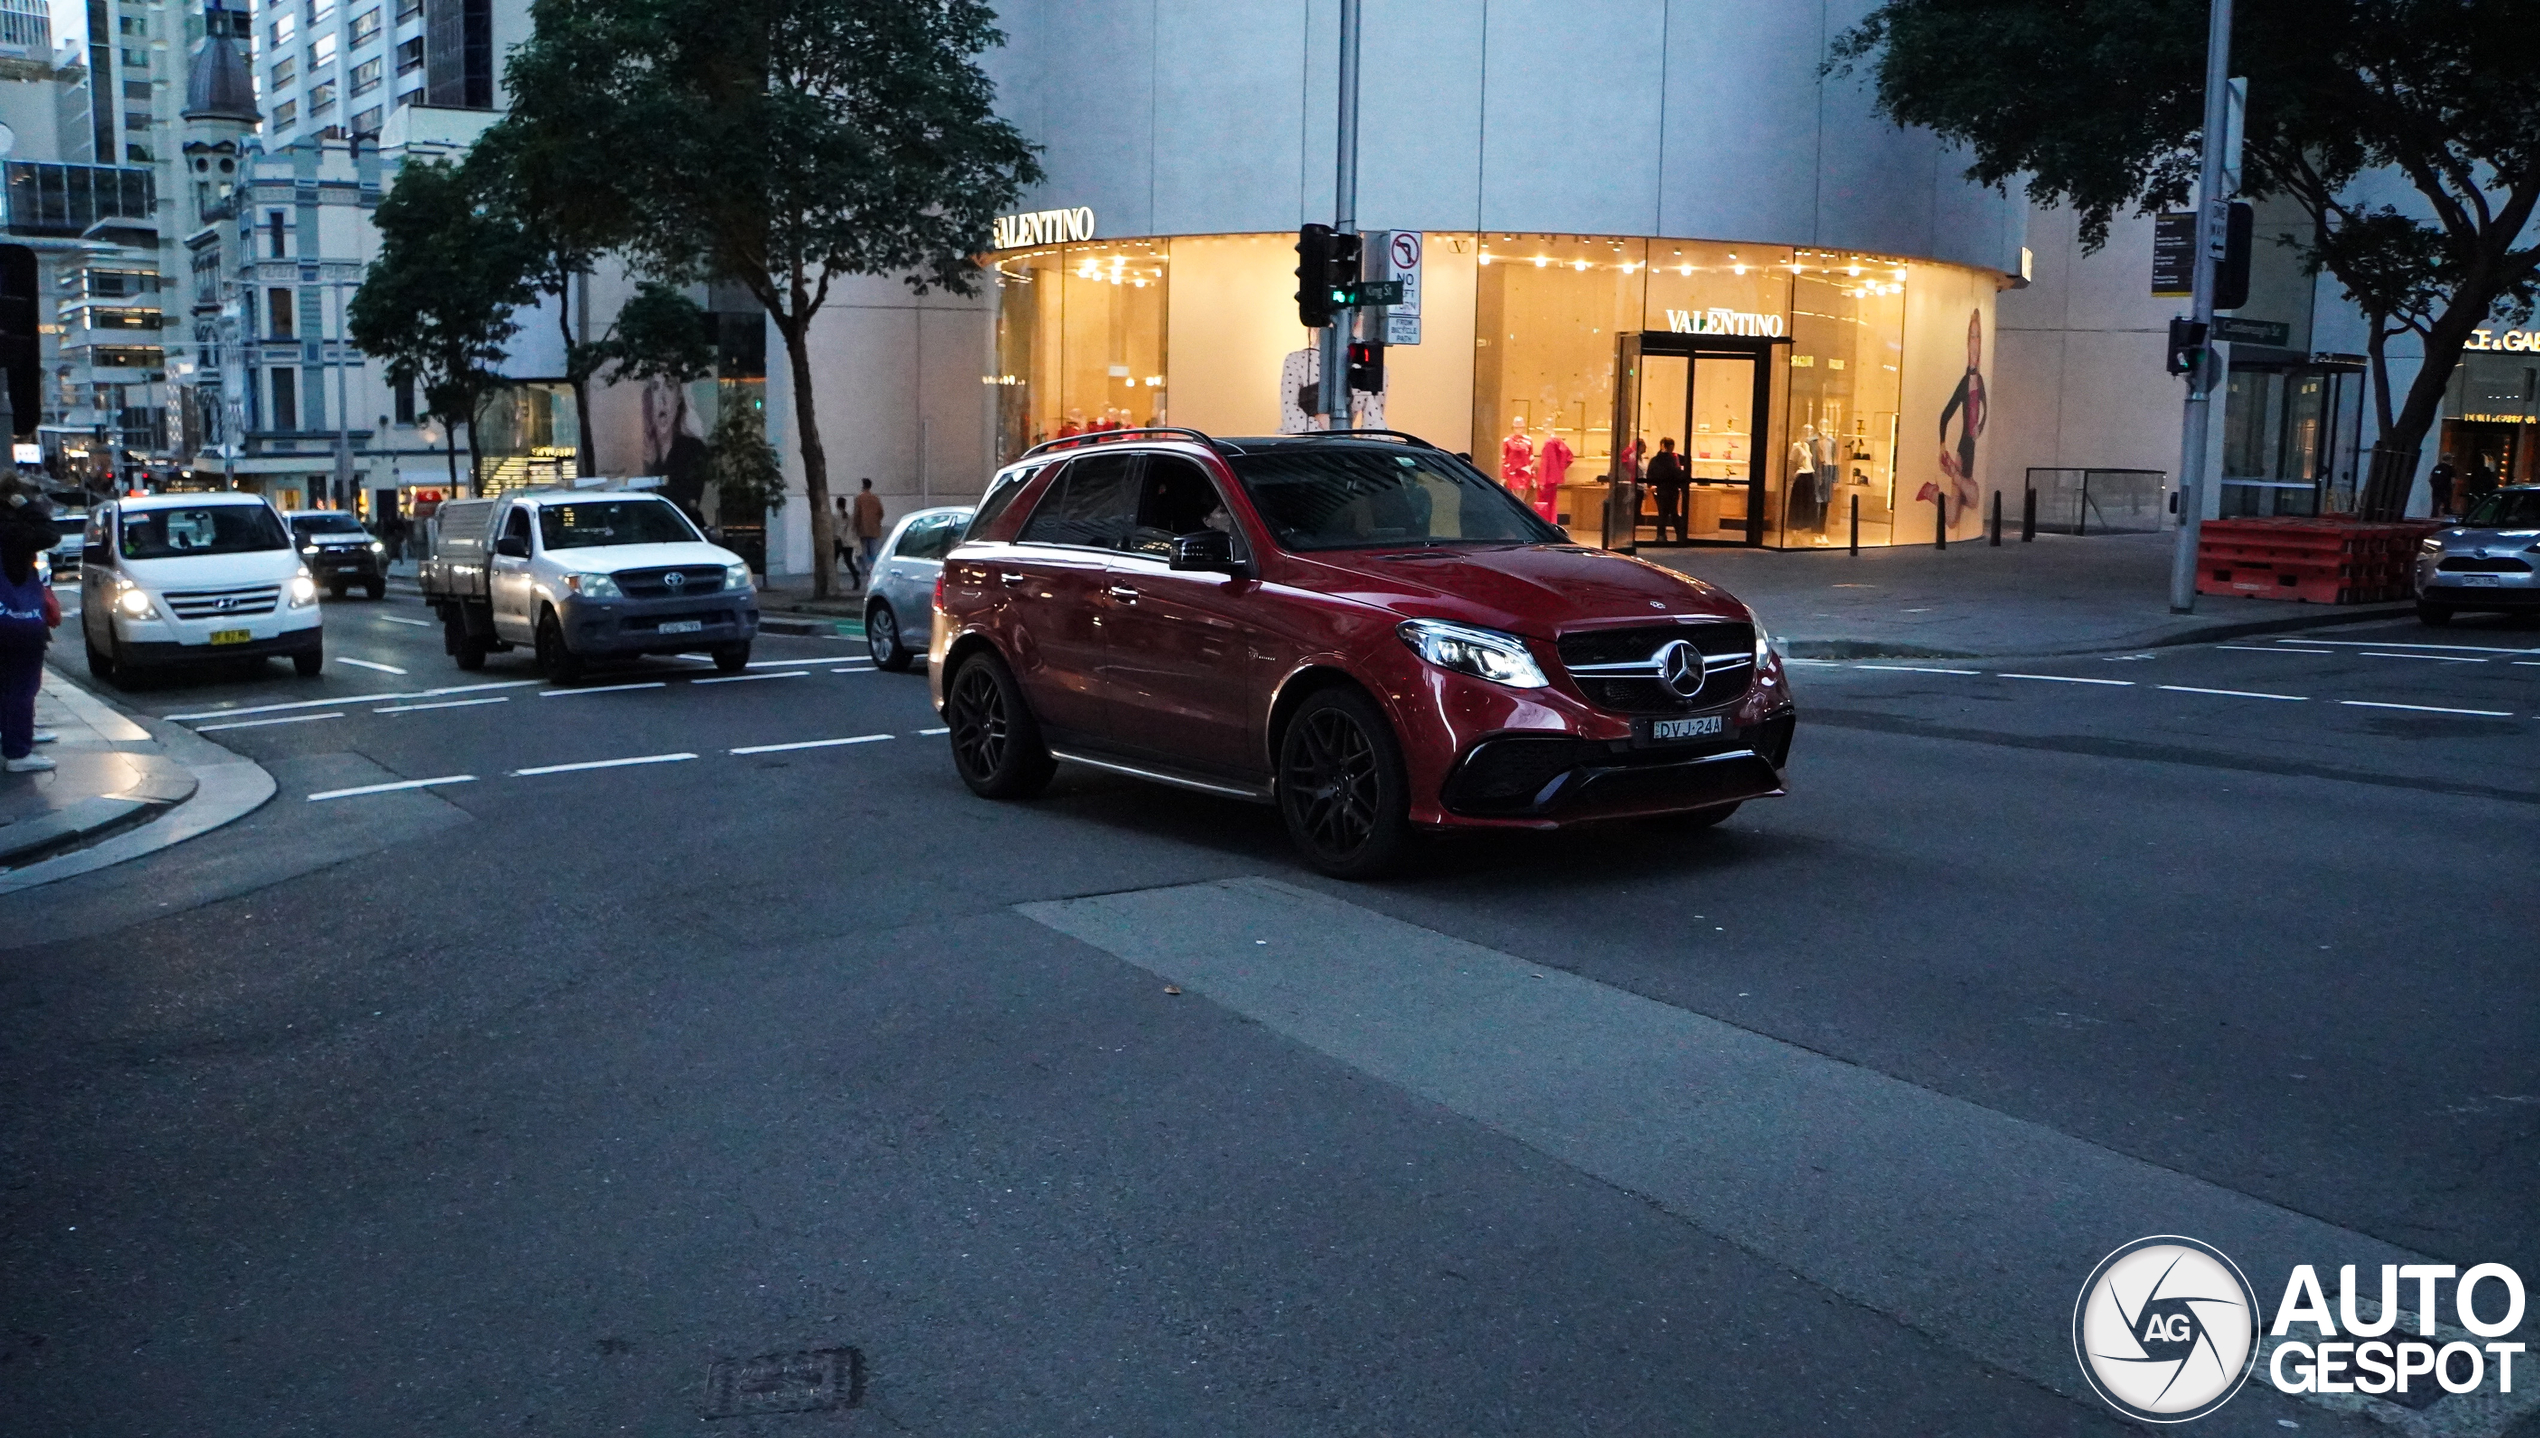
x,y
1679,667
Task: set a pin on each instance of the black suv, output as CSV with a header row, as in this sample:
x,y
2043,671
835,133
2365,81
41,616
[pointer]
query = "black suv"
x,y
339,552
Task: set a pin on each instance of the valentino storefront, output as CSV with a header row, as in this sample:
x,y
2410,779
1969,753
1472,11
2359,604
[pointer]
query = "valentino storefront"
x,y
1796,391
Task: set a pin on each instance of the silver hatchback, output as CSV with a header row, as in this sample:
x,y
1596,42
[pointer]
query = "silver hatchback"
x,y
2487,563
901,592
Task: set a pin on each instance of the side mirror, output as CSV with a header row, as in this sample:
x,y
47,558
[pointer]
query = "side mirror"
x,y
1209,550
512,546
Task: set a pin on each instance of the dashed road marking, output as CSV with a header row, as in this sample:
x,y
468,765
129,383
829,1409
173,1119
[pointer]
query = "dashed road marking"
x,y
934,731
2233,693
808,744
2271,649
1915,669
400,619
271,708
444,704
2434,658
391,788
742,678
601,764
2407,644
367,664
260,723
2070,679
2428,708
604,689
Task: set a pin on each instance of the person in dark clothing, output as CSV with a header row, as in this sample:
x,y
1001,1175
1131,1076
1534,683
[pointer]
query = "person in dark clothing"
x,y
2439,483
26,623
1668,475
2482,481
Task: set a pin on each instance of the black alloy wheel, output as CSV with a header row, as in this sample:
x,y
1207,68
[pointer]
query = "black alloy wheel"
x,y
882,638
1341,786
996,743
555,660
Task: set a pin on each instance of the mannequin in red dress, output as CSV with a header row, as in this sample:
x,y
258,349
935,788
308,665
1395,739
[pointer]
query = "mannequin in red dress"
x,y
1517,462
1557,455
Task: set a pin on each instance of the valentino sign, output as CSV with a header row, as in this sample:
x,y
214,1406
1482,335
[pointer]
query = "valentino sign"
x,y
1044,227
1723,321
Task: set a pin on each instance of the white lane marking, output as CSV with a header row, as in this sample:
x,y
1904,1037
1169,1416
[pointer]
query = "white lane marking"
x,y
604,689
934,731
444,704
602,764
2436,658
2408,644
1820,663
867,669
392,788
400,619
808,744
2527,664
472,688
294,704
740,678
2069,679
1915,669
2428,708
260,723
2270,649
366,664
2233,693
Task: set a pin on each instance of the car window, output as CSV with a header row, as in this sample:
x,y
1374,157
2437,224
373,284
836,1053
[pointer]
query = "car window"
x,y
2505,509
1092,503
209,529
517,526
1359,496
588,523
1000,499
930,538
1175,497
327,524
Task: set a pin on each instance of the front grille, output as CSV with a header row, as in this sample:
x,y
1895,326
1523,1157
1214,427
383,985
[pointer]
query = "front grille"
x,y
1729,647
222,603
1502,774
695,579
2464,564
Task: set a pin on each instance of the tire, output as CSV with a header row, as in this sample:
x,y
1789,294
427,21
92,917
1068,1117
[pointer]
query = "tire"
x,y
2434,614
335,590
996,743
376,589
466,650
309,664
556,660
102,665
732,658
1342,789
882,638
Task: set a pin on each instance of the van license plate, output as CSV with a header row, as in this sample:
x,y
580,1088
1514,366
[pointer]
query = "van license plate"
x,y
2483,579
1705,727
231,636
682,626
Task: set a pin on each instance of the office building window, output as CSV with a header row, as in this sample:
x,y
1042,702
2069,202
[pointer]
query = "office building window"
x,y
321,51
366,25
459,61
321,99
285,70
408,9
366,123
137,90
366,76
135,59
405,395
137,155
134,25
410,56
286,114
278,311
286,399
136,119
276,228
286,27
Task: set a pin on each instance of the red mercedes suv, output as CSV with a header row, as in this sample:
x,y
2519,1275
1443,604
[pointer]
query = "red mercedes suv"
x,y
1358,627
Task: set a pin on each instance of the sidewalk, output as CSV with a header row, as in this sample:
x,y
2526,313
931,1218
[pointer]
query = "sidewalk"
x,y
2058,595
113,775
787,607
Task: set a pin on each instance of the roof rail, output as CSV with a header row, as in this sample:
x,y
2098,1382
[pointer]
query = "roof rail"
x,y
1100,436
1404,435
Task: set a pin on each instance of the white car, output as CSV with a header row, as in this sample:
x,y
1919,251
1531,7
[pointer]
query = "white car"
x,y
174,578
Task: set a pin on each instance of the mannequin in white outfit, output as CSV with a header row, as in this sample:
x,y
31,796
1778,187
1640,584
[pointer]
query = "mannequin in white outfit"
x,y
1806,510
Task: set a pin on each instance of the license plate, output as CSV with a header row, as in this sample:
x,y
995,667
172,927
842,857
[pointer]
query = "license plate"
x,y
1703,727
231,636
348,569
683,626
2478,579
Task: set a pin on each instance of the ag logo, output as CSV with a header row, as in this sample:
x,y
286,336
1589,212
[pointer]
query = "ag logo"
x,y
2166,1329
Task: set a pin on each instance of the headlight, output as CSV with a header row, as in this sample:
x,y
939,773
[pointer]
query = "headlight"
x,y
1763,645
736,576
303,590
593,586
308,549
133,601
1466,649
378,548
2431,545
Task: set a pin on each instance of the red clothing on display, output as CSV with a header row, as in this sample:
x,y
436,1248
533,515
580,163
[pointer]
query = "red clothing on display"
x,y
1557,455
1517,462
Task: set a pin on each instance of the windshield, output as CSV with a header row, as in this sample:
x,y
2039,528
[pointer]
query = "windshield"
x,y
2505,509
209,529
612,521
1351,496
327,524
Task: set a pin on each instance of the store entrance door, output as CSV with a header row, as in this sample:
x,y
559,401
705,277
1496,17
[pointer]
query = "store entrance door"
x,y
1708,399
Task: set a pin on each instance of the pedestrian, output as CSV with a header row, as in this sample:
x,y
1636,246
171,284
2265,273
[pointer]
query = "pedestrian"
x,y
2439,482
392,532
1667,475
2482,481
842,546
28,613
868,528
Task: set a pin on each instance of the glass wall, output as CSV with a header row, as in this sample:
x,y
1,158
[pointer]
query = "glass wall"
x,y
1080,341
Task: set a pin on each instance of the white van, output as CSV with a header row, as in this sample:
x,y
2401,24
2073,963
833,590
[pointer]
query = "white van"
x,y
175,578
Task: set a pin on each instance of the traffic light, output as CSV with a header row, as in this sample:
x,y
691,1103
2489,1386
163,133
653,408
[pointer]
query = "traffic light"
x,y
1367,366
1341,278
2187,346
2231,273
1314,276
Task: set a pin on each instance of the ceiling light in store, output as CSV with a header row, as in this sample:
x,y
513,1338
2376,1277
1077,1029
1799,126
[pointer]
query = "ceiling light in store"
x,y
1854,270
1684,269
1485,259
1737,269
1542,260
1579,265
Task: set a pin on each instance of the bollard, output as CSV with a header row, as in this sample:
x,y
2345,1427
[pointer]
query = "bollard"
x,y
1940,521
1993,535
2028,516
1856,524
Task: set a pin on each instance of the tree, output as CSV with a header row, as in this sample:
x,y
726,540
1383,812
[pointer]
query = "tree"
x,y
659,333
2099,105
784,145
437,304
741,465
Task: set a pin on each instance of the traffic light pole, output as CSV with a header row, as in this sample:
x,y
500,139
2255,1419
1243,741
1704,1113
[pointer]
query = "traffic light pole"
x,y
1333,385
2213,219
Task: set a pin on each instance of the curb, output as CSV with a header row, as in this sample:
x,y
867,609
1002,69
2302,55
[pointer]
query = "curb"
x,y
2318,618
192,786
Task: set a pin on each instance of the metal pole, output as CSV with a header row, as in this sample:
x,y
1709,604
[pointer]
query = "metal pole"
x,y
1940,521
1334,384
2213,215
1994,533
1856,524
343,422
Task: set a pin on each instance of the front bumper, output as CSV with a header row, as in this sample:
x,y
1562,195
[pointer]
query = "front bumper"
x,y
2454,589
634,626
157,653
348,565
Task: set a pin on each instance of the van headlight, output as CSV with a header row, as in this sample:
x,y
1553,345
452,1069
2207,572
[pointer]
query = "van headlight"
x,y
303,590
1469,649
378,548
132,599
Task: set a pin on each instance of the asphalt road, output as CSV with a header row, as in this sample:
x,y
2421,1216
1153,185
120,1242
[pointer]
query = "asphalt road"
x,y
675,1021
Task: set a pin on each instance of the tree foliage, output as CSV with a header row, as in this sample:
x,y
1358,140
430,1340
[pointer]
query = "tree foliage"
x,y
659,333
741,465
782,145
2099,105
437,304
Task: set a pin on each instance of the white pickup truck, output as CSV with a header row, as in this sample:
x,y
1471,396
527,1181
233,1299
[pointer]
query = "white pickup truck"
x,y
582,574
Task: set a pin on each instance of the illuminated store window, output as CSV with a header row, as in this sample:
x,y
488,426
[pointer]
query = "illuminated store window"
x,y
1080,341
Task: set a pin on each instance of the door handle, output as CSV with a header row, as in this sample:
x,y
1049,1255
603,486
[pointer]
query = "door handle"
x,y
1123,593
1011,578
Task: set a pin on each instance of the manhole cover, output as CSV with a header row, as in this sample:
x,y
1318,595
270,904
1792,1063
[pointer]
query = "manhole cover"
x,y
808,1381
